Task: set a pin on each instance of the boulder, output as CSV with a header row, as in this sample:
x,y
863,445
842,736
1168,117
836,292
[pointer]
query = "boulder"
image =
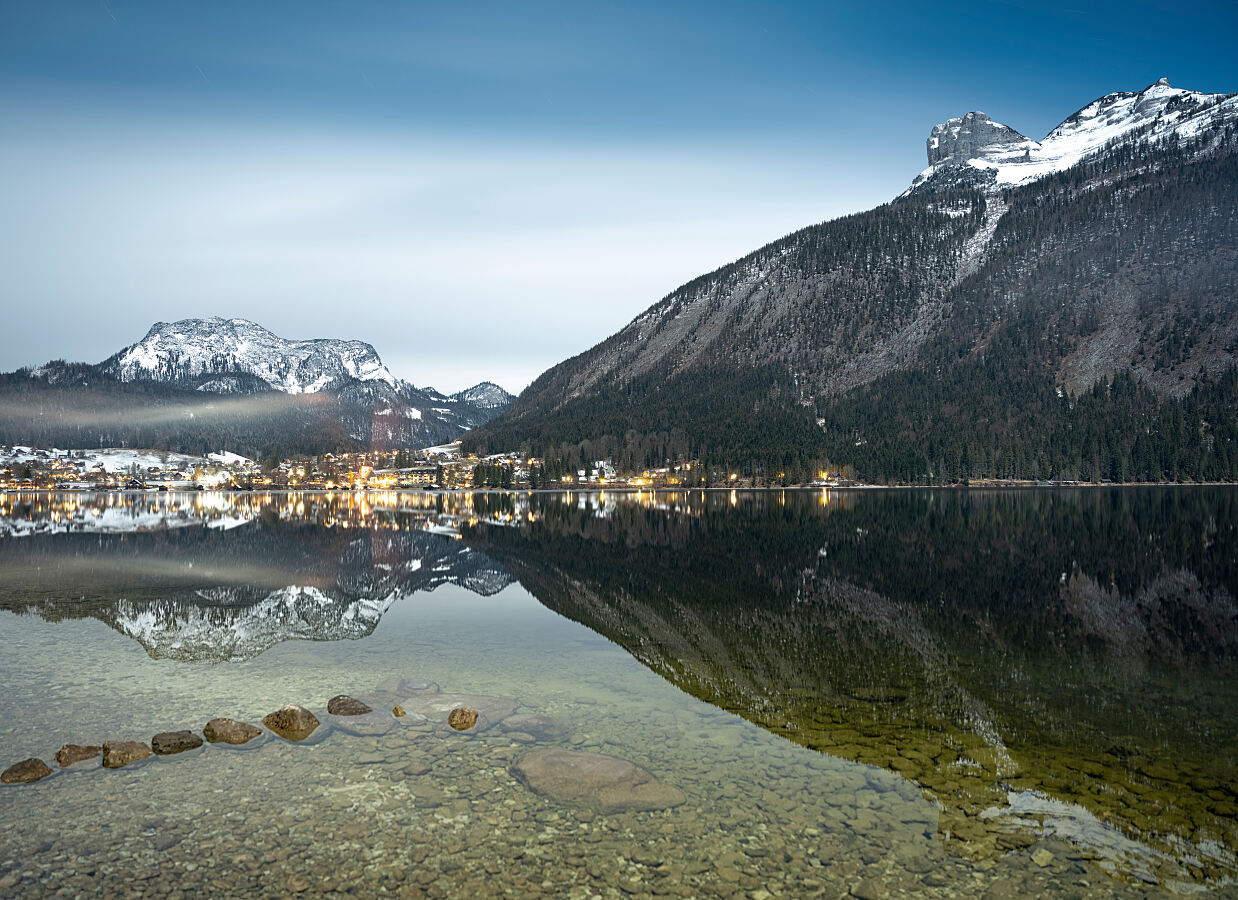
x,y
230,731
121,753
594,781
75,753
343,705
462,718
292,722
168,742
538,725
25,772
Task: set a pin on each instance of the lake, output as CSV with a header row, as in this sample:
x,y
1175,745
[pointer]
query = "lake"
x,y
888,693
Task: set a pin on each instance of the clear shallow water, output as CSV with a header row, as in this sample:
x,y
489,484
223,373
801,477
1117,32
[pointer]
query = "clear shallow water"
x,y
956,726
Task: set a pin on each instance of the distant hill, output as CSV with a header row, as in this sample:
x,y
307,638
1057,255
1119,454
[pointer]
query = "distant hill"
x,y
202,384
1064,308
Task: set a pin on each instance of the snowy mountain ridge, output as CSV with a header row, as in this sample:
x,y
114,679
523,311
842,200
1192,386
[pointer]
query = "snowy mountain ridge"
x,y
322,393
976,150
192,347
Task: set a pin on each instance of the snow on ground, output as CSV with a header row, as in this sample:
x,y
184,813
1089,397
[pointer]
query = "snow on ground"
x,y
118,460
225,458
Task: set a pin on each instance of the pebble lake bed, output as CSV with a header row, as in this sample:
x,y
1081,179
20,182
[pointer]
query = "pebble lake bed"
x,y
610,756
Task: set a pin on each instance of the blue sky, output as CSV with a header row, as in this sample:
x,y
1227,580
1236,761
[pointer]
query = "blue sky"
x,y
483,189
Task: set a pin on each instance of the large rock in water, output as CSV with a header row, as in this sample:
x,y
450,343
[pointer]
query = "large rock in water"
x,y
121,753
230,731
169,742
595,780
292,722
343,705
75,753
25,772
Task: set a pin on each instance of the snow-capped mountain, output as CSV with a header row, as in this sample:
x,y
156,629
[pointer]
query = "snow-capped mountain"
x,y
973,149
211,378
190,348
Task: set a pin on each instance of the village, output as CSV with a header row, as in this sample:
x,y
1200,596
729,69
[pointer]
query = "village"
x,y
442,468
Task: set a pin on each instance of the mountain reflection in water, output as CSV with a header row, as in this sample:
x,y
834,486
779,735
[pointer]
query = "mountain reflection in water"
x,y
1036,661
224,577
1033,660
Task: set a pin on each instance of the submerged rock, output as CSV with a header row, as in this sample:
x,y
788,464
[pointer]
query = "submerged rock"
x,y
418,686
374,722
436,707
25,772
343,705
462,718
398,712
607,784
121,753
292,722
397,685
536,724
169,742
75,753
230,731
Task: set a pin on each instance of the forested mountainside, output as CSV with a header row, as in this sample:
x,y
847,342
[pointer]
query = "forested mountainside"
x,y
1073,322
209,384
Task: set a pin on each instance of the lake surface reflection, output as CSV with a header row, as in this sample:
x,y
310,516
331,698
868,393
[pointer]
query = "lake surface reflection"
x,y
912,692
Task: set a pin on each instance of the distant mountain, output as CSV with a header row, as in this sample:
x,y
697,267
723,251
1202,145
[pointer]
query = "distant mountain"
x,y
203,353
199,384
1066,308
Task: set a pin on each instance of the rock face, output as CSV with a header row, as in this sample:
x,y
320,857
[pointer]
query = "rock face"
x,y
536,725
169,742
230,731
292,722
25,772
969,137
462,718
595,780
343,705
74,753
121,753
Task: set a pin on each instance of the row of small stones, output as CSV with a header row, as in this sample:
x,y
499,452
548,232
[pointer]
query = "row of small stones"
x,y
294,723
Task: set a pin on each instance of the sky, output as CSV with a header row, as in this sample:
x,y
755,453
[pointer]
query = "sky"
x,y
481,190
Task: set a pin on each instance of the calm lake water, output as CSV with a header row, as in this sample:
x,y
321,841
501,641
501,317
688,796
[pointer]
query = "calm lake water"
x,y
905,693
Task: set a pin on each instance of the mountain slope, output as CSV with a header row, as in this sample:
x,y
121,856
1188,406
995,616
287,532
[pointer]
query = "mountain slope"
x,y
201,384
1110,247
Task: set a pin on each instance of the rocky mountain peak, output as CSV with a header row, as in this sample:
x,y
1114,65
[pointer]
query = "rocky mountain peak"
x,y
969,137
974,150
190,348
